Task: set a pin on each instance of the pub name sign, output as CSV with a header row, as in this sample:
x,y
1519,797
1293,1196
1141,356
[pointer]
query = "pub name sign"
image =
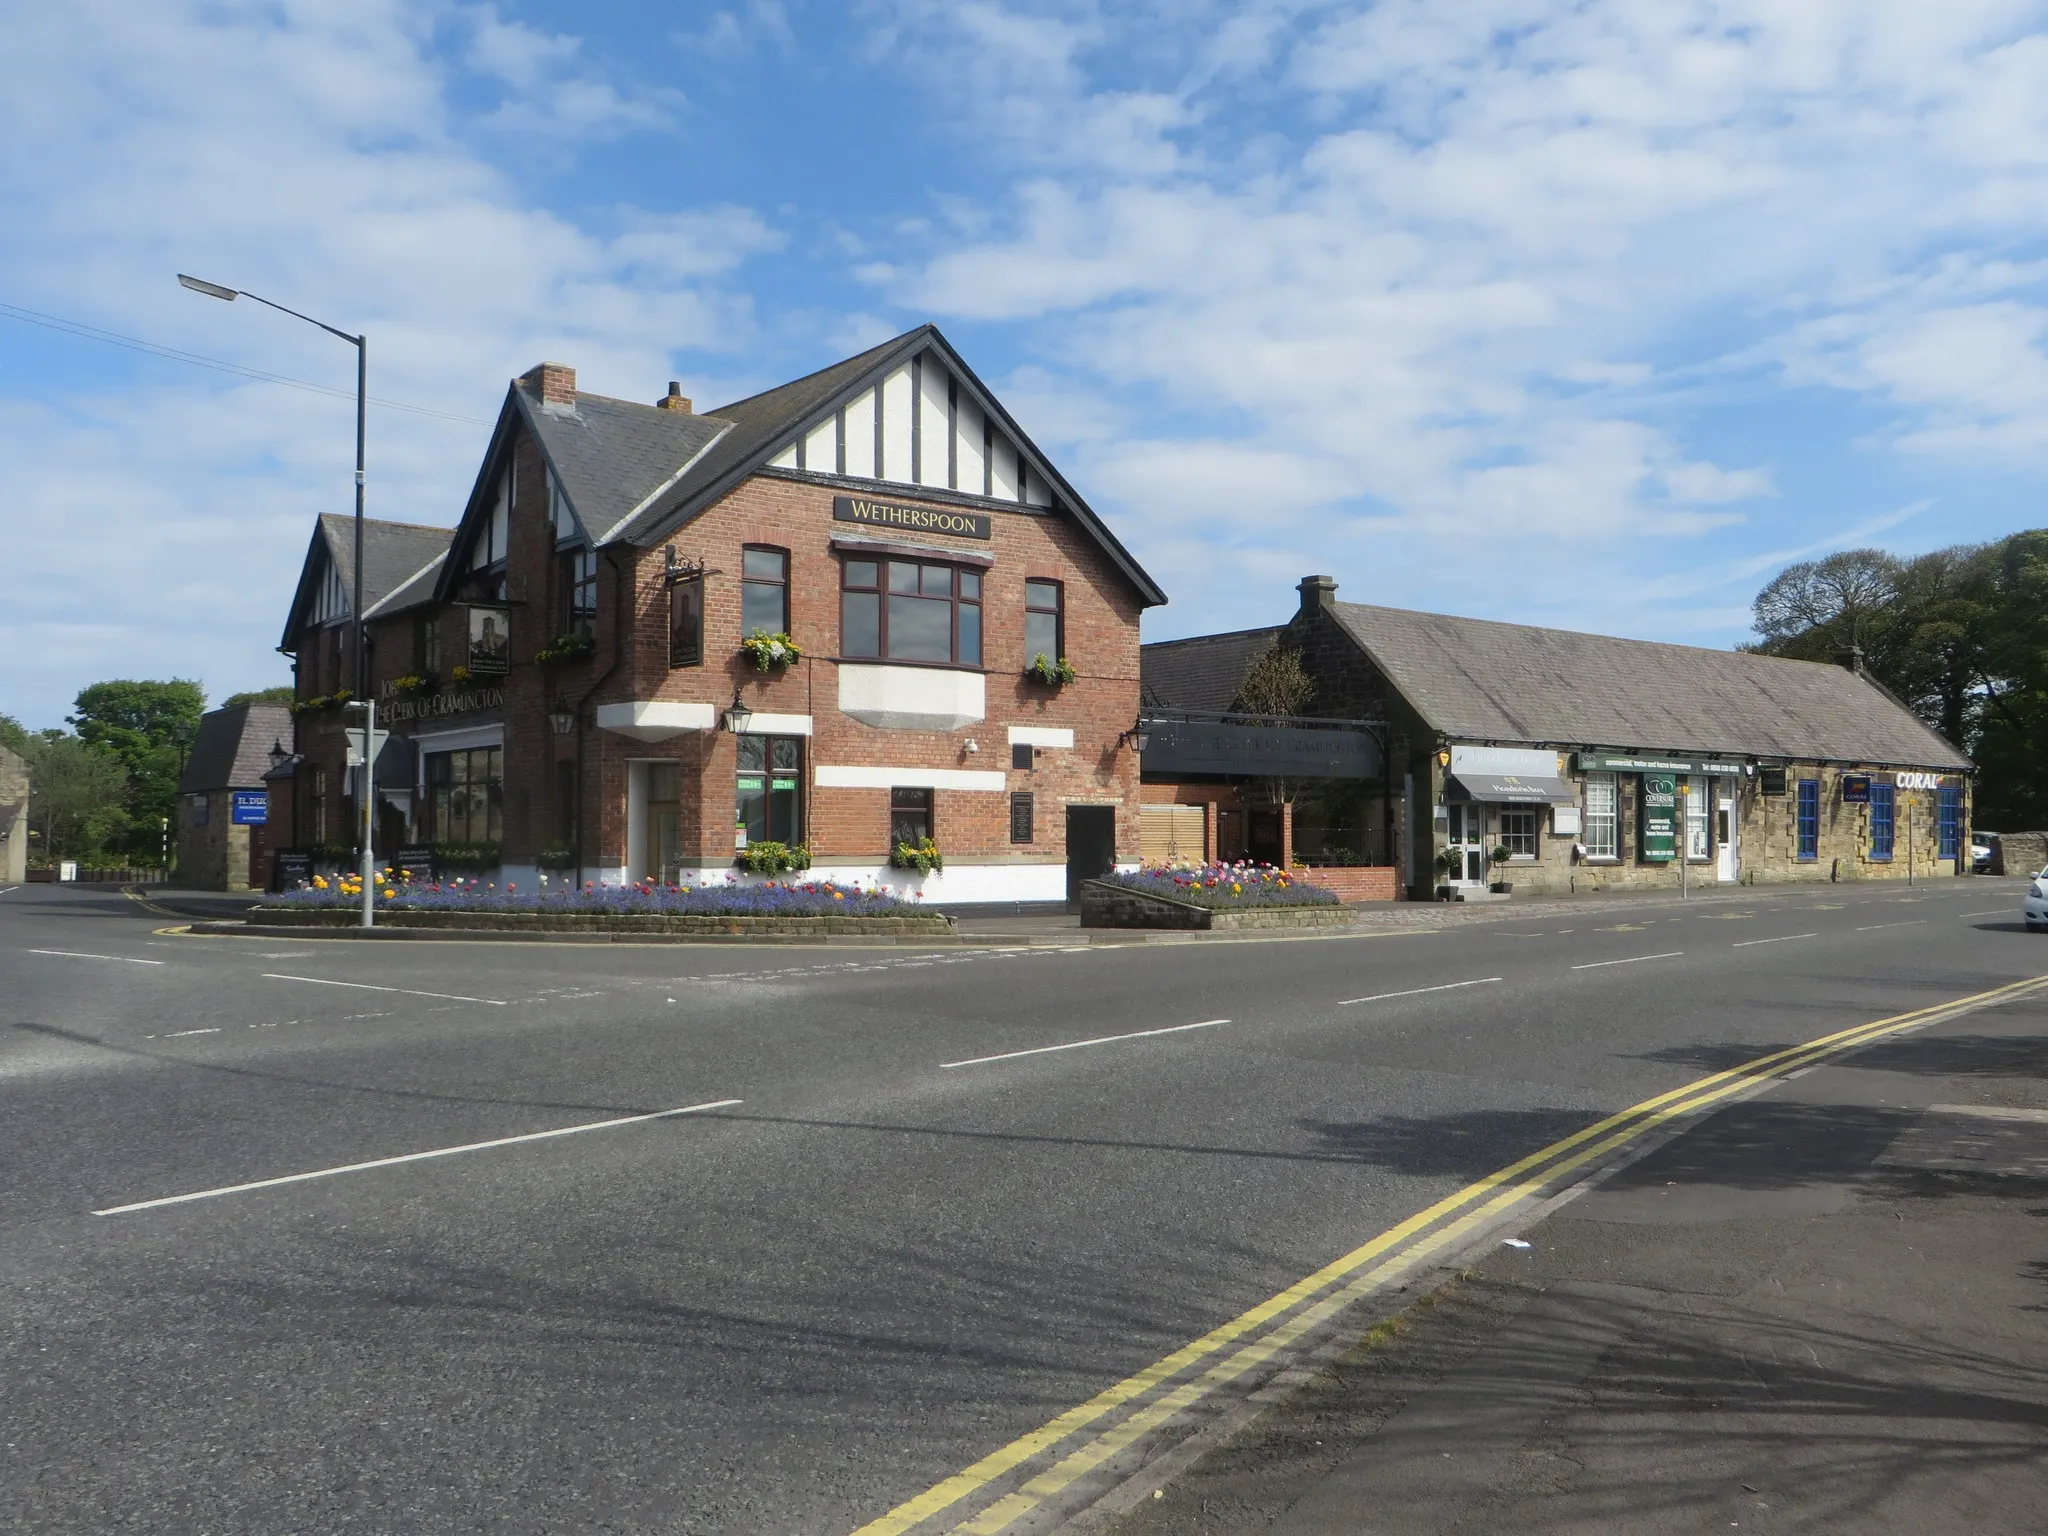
x,y
889,514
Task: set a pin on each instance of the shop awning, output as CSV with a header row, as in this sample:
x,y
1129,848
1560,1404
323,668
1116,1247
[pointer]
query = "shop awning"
x,y
1518,789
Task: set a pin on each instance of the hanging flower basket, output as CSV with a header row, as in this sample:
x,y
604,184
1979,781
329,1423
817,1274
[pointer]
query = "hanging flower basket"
x,y
1054,674
768,858
412,685
564,650
767,652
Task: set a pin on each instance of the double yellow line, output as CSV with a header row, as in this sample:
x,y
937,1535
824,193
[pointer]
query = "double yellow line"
x,y
1366,1268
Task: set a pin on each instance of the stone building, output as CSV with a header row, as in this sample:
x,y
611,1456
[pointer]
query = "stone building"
x,y
1592,762
661,638
14,791
224,834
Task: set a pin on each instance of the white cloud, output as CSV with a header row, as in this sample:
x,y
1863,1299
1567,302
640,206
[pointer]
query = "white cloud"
x,y
313,155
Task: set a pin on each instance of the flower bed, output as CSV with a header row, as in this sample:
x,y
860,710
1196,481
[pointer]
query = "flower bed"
x,y
813,898
1225,887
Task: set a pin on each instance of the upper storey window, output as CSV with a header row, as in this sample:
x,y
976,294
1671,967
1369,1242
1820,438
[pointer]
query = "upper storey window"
x,y
902,610
764,591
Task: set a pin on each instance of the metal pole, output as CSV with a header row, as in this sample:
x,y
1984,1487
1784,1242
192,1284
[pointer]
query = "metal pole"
x,y
1684,839
1910,861
369,808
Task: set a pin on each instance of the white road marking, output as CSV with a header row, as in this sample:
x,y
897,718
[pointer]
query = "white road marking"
x,y
1449,986
1075,1045
364,986
179,1034
76,954
1594,965
1785,938
412,1157
4,889
1996,912
1909,923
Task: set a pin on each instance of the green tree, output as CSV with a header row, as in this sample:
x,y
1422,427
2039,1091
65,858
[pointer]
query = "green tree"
x,y
283,693
14,734
148,728
75,804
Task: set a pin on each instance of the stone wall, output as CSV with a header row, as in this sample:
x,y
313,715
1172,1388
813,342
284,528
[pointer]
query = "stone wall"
x,y
14,789
1115,906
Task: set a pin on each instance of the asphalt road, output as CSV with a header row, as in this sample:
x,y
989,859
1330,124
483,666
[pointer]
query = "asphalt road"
x,y
880,1257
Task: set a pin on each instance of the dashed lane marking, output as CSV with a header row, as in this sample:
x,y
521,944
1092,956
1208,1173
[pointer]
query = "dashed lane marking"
x,y
1783,938
1449,986
1909,923
79,954
364,986
411,1157
1594,965
1075,1045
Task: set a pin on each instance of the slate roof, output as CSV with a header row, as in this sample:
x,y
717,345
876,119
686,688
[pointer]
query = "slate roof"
x,y
1477,680
634,472
232,749
399,564
1201,674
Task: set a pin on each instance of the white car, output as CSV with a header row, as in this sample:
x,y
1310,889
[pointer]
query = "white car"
x,y
2037,902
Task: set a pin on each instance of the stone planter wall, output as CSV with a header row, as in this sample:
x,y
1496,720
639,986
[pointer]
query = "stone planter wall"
x,y
923,924
1116,906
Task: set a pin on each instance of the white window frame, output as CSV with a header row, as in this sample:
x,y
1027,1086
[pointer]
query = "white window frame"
x,y
1610,818
1699,794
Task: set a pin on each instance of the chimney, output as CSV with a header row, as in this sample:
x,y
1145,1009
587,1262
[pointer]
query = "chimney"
x,y
1851,657
675,399
1317,593
555,383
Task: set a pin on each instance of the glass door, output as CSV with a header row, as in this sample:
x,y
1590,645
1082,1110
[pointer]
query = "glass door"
x,y
664,823
1467,838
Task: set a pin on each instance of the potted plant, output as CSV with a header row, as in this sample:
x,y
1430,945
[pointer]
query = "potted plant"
x,y
412,684
768,652
558,857
1053,673
1498,857
922,856
1447,865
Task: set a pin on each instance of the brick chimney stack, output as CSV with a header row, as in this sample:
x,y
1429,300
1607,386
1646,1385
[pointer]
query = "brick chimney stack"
x,y
555,382
1317,593
675,399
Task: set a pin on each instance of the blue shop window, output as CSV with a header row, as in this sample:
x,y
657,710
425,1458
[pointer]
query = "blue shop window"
x,y
1809,818
1883,802
1949,809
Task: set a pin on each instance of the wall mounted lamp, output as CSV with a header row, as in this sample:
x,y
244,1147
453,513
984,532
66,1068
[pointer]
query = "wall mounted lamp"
x,y
737,717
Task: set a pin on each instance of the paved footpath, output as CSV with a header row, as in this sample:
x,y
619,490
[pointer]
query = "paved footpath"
x,y
1824,1310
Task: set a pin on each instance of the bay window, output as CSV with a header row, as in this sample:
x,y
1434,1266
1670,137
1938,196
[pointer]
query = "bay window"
x,y
902,610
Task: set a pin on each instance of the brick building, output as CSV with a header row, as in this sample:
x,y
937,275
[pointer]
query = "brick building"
x,y
572,682
1596,762
224,833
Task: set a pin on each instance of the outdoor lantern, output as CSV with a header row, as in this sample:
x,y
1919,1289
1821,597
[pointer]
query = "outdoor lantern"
x,y
737,716
278,756
563,719
1138,737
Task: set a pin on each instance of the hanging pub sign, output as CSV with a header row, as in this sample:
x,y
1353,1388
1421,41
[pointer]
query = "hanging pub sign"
x,y
490,640
1659,818
1856,789
889,514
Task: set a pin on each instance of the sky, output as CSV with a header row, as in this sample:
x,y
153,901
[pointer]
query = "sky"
x,y
1589,314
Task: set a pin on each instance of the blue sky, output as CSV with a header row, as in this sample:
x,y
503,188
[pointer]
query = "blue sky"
x,y
1588,314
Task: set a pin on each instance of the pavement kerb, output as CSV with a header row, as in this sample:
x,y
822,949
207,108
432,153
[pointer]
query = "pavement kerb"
x,y
1300,1318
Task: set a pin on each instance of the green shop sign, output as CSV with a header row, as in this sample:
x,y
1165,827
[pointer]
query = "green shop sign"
x,y
1656,762
1658,807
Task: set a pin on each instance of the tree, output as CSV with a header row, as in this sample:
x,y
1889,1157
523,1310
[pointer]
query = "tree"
x,y
1827,604
148,728
75,798
283,693
14,734
1279,687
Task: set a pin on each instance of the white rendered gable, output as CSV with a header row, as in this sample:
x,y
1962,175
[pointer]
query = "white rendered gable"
x,y
918,426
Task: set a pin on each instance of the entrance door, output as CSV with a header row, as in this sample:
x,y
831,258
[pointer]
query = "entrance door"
x,y
1091,845
663,854
1727,863
1467,838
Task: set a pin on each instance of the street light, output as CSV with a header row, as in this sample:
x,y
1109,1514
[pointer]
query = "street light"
x,y
737,716
362,346
278,755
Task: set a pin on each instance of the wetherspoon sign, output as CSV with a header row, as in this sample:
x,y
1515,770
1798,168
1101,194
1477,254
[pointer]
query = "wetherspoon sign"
x,y
889,514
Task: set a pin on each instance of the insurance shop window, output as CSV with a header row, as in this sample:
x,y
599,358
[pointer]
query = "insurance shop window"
x,y
769,804
466,796
764,591
902,610
1603,817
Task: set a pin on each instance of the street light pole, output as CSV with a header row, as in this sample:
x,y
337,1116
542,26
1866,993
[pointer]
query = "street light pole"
x,y
362,346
